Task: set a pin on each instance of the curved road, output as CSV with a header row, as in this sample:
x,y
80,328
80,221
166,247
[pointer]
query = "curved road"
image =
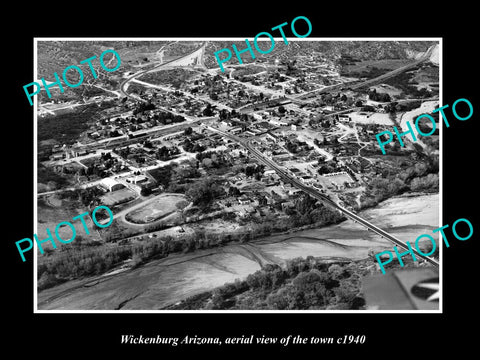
x,y
387,75
122,85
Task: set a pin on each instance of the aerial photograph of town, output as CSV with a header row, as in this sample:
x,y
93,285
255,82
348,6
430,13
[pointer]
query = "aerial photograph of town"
x,y
260,187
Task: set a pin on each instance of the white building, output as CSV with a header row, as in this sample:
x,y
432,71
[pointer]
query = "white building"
x,y
110,184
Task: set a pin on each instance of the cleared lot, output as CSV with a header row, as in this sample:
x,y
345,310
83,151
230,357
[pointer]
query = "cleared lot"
x,y
118,197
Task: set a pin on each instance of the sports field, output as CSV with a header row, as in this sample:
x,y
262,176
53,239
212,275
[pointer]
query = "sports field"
x,y
156,209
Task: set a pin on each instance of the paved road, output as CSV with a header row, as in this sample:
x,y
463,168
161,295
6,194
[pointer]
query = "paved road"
x,y
318,195
387,75
125,82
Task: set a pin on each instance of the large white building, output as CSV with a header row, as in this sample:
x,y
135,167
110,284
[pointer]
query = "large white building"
x,y
110,184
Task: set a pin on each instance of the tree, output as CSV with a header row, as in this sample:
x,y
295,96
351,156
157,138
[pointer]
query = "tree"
x,y
145,191
224,114
148,144
208,111
204,192
305,204
233,191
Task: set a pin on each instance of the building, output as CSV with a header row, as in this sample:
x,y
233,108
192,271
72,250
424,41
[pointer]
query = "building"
x,y
76,153
257,116
343,118
137,179
243,200
110,184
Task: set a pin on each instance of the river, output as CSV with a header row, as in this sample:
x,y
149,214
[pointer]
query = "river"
x,y
169,280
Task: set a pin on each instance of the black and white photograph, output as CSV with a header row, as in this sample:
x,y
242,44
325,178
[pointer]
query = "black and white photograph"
x,y
249,184
220,179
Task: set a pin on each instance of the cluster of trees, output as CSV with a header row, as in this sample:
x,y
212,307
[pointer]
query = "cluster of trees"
x,y
93,168
380,97
303,284
421,176
162,175
256,170
123,152
67,127
209,110
234,191
212,159
78,262
308,211
425,183
203,193
164,117
404,82
46,175
328,168
173,178
86,259
88,196
296,146
166,153
192,146
404,106
142,106
224,114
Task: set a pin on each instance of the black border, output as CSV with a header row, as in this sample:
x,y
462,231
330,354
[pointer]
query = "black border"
x,y
86,334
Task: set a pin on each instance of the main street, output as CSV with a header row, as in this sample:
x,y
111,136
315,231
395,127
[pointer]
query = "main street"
x,y
318,195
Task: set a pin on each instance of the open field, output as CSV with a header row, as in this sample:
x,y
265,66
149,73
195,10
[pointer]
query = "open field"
x,y
366,66
52,211
364,117
118,197
386,89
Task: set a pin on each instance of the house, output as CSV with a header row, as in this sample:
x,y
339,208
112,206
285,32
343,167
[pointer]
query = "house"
x,y
272,137
58,156
236,130
288,205
257,116
243,200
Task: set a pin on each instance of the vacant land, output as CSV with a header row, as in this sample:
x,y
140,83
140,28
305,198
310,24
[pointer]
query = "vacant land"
x,y
363,68
66,128
118,197
363,117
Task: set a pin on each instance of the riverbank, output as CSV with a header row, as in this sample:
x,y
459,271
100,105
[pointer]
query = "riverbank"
x,y
167,281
